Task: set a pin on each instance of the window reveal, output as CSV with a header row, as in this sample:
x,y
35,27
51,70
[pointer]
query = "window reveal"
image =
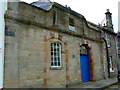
x,y
54,17
71,24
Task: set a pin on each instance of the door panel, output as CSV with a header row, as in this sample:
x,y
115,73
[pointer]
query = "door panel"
x,y
85,68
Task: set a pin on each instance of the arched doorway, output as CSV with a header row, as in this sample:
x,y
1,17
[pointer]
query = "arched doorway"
x,y
85,64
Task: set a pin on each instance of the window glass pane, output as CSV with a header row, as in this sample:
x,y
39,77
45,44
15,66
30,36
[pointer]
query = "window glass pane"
x,y
58,54
55,63
83,50
55,59
58,59
51,63
51,48
57,45
52,59
54,54
52,44
58,63
51,53
58,50
55,49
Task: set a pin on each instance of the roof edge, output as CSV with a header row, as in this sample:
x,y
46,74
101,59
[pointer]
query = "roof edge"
x,y
67,9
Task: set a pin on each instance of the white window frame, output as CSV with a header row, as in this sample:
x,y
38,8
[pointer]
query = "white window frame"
x,y
59,56
111,65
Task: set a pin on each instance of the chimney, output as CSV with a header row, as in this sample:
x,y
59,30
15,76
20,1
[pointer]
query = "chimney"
x,y
109,20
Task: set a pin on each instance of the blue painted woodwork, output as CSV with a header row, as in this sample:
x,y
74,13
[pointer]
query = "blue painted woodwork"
x,y
85,67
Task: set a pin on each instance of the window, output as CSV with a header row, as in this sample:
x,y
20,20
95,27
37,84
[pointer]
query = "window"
x,y
117,44
83,50
54,17
55,55
111,66
108,40
71,24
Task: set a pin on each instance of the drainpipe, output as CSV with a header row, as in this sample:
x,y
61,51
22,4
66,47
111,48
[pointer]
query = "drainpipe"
x,y
107,57
3,8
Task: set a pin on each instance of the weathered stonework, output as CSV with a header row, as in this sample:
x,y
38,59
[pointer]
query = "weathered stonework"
x,y
29,34
118,48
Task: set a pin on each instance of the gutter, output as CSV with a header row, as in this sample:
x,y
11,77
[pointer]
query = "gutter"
x,y
3,7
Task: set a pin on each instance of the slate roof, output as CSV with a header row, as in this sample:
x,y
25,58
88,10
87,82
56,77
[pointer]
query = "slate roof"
x,y
44,4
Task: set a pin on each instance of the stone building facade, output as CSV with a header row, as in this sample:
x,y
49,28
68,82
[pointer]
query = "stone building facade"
x,y
118,48
110,36
54,48
111,52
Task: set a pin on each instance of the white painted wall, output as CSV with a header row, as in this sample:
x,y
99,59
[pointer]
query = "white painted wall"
x,y
3,8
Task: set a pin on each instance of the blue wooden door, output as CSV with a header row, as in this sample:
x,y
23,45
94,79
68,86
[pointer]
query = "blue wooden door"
x,y
85,66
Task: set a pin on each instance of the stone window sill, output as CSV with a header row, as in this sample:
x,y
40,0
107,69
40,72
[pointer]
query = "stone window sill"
x,y
56,68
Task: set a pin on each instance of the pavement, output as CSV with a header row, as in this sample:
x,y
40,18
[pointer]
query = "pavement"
x,y
97,84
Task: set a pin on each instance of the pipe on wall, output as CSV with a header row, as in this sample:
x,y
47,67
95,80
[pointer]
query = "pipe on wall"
x,y
107,56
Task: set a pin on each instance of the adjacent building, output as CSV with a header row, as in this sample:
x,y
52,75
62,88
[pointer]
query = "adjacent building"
x,y
118,48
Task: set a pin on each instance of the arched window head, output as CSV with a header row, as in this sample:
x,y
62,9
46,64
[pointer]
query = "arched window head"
x,y
55,55
83,50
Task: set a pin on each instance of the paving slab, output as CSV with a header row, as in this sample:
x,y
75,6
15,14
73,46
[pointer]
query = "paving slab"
x,y
97,84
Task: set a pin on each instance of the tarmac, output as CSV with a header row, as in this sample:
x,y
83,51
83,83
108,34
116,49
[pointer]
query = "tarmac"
x,y
97,84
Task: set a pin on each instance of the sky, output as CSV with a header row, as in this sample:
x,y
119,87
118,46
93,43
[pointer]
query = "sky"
x,y
92,10
119,16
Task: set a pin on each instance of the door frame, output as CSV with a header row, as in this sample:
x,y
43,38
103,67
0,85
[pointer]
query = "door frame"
x,y
90,61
